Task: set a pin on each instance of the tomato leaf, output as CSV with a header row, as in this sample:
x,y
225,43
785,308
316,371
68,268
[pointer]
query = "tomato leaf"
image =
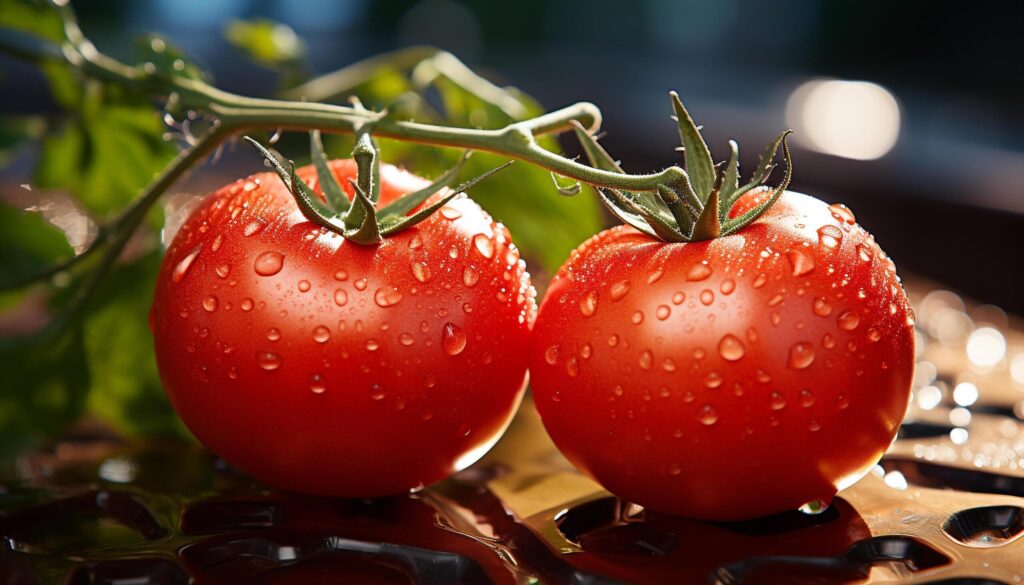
x,y
28,244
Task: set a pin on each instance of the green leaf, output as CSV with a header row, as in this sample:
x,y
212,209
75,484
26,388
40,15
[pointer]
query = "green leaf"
x,y
168,59
699,165
44,388
28,244
125,386
266,42
40,19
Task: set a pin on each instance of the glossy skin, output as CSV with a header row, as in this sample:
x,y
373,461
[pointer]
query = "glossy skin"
x,y
779,375
410,372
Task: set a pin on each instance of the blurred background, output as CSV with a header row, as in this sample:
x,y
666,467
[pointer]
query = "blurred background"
x,y
910,114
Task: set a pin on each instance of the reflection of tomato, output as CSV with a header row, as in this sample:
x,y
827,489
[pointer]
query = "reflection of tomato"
x,y
730,378
323,366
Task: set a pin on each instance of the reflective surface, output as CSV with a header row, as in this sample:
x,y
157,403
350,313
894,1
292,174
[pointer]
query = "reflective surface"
x,y
946,505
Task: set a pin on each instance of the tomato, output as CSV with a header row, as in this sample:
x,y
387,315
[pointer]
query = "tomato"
x,y
731,378
323,366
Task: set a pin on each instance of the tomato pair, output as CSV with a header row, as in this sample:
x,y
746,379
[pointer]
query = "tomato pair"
x,y
722,379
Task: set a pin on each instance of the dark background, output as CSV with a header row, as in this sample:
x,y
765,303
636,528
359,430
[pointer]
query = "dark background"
x,y
946,202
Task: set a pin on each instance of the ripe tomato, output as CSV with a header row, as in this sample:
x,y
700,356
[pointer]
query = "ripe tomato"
x,y
730,378
322,366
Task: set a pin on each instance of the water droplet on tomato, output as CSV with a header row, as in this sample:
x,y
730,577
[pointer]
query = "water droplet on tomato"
x,y
340,297
254,227
663,312
728,285
829,236
814,426
707,415
268,263
223,270
586,351
387,297
464,429
470,276
372,345
551,354
806,398
421,271
415,242
713,379
233,373
341,275
707,297
864,253
638,318
181,268
678,298
216,243
210,303
484,245
821,307
842,213
731,348
453,339
800,261
777,401
450,213
316,384
655,276
321,334
360,284
588,304
698,271
645,359
304,286
827,341
377,392
190,347
760,281
669,365
848,320
572,367
273,334
874,334
801,355
246,304
675,469
619,290
268,360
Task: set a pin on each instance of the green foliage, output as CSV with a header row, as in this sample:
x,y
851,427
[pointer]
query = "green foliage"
x,y
266,42
28,244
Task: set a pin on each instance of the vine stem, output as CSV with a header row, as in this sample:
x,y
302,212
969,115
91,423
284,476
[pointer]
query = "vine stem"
x,y
238,113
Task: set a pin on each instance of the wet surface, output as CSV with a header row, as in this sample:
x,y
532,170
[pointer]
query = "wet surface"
x,y
945,505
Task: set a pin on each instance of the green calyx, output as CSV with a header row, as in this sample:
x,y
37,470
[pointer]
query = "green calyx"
x,y
359,220
695,206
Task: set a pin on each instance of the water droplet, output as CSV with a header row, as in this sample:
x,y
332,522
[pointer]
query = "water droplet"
x,y
829,236
698,271
387,297
619,290
760,281
551,355
669,365
674,469
586,351
728,285
776,318
268,263
216,243
814,508
304,286
377,392
707,415
572,367
340,297
321,334
713,380
588,304
864,253
678,298
842,213
190,347
360,284
246,304
249,186
801,355
874,334
210,303
800,261
268,360
731,348
223,270
453,252
254,226
181,268
821,307
470,276
814,426
707,297
638,318
429,381
663,312
273,334
421,271
316,384
464,429
842,402
688,396
341,275
777,401
233,373
613,340
806,398
655,276
415,242
763,376
450,213
406,339
827,341
484,245
453,339
645,359
848,320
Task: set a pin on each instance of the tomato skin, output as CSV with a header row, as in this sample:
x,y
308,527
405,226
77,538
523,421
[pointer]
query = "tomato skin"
x,y
756,393
408,374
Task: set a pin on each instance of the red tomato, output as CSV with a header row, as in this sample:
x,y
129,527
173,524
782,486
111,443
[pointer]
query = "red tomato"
x,y
732,378
323,366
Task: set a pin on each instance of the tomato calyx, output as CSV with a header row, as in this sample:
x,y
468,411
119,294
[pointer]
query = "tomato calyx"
x,y
694,207
359,220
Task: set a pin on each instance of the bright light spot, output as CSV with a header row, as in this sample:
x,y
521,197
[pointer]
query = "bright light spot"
x,y
950,326
960,417
895,479
924,374
965,394
851,119
1017,368
958,436
986,346
929,397
117,470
